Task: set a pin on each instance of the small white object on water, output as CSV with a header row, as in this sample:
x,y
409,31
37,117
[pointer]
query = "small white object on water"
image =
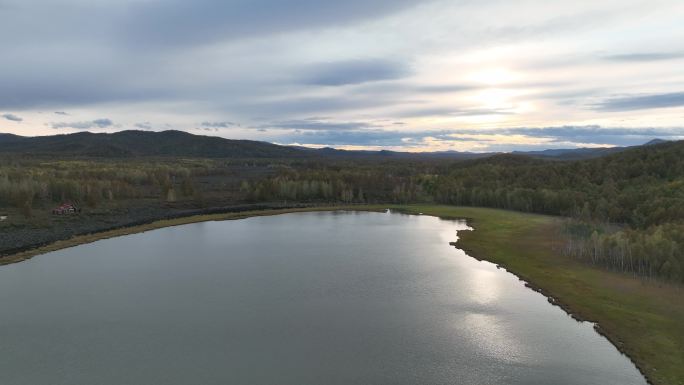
x,y
3,217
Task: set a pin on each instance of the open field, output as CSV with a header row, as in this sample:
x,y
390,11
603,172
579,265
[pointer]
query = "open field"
x,y
644,319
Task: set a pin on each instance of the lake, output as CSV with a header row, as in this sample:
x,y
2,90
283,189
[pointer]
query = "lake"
x,y
305,298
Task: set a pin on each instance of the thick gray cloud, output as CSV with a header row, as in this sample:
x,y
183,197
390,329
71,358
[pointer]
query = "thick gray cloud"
x,y
155,24
179,22
355,72
642,102
69,87
97,123
12,117
137,51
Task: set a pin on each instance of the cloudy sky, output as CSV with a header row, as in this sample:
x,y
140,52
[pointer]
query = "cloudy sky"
x,y
410,75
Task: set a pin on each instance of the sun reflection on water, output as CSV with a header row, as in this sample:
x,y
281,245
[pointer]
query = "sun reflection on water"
x,y
491,336
485,285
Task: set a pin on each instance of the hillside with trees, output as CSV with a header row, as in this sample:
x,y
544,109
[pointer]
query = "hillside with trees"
x,y
625,209
127,144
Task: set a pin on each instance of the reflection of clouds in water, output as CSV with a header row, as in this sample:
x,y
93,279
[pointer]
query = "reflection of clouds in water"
x,y
491,336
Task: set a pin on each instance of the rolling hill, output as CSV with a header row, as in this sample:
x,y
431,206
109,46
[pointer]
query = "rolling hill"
x,y
132,143
143,143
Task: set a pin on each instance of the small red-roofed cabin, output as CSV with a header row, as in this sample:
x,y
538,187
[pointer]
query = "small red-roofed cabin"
x,y
65,209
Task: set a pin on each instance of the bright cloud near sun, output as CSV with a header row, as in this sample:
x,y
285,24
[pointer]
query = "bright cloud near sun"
x,y
494,76
405,75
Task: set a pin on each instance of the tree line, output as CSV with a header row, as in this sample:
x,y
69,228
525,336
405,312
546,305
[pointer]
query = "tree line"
x,y
631,204
30,184
633,201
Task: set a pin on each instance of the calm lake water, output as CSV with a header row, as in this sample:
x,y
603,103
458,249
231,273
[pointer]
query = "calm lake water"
x,y
310,298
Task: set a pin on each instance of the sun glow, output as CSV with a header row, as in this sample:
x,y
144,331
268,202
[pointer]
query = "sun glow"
x,y
495,98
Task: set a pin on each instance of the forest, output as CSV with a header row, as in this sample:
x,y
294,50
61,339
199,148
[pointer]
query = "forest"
x,y
625,210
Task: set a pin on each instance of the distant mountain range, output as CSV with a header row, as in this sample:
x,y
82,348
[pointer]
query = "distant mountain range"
x,y
125,144
582,153
142,144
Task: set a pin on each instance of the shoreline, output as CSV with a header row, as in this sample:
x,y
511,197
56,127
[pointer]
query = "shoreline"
x,y
568,309
134,228
573,310
28,242
591,308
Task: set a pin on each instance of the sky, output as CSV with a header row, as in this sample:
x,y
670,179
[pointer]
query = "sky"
x,y
407,75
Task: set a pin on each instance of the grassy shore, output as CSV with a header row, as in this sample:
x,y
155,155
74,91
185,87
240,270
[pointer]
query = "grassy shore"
x,y
645,320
